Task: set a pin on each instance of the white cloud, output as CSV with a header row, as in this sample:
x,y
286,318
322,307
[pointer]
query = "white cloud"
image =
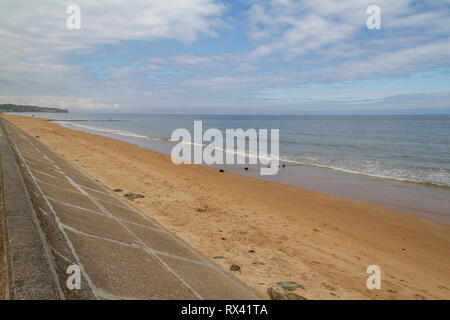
x,y
111,20
291,44
37,47
36,32
189,59
295,28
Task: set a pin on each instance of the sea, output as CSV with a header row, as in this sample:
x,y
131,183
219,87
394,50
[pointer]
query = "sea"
x,y
411,149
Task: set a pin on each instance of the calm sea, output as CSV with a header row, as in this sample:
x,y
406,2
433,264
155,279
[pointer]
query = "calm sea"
x,y
407,148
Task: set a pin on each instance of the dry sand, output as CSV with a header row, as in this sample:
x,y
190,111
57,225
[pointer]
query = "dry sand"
x,y
323,242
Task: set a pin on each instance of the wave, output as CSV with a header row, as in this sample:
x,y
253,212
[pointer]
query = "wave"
x,y
265,159
365,173
112,131
239,153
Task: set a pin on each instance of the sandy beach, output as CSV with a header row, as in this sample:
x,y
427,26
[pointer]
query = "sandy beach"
x,y
274,232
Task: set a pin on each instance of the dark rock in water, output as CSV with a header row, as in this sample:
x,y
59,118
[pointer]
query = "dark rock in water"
x,y
251,251
221,170
235,267
246,168
118,190
277,293
219,257
131,196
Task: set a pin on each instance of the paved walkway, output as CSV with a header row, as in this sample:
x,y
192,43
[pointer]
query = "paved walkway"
x,y
74,220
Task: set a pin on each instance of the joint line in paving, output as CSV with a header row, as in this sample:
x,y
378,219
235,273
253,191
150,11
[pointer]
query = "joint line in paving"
x,y
136,238
41,234
91,285
126,204
129,207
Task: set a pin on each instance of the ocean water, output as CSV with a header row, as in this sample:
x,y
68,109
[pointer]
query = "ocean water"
x,y
412,148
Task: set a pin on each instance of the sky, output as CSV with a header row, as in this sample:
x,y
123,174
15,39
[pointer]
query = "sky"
x,y
227,57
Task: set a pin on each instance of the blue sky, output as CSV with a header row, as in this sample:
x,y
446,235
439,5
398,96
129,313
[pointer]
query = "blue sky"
x,y
208,56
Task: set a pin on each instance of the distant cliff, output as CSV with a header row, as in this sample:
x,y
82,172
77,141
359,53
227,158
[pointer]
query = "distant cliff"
x,y
20,108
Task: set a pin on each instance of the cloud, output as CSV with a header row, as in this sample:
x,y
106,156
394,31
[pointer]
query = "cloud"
x,y
35,33
296,28
148,54
111,20
37,48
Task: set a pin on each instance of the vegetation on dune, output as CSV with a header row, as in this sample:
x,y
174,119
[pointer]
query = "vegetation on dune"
x,y
22,108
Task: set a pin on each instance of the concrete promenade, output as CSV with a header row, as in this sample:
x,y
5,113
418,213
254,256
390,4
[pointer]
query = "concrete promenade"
x,y
57,216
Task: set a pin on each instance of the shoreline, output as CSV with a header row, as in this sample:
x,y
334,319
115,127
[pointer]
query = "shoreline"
x,y
321,241
129,136
427,200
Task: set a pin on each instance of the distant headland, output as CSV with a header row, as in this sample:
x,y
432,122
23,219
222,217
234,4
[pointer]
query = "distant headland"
x,y
21,108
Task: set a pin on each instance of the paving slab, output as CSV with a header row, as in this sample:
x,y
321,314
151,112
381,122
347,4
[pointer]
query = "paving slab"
x,y
126,214
95,224
126,272
162,241
207,281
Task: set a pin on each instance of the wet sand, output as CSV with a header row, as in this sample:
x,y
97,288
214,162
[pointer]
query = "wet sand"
x,y
321,241
425,200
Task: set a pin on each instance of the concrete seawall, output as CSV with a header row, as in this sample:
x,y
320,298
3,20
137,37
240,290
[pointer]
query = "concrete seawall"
x,y
57,216
30,273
